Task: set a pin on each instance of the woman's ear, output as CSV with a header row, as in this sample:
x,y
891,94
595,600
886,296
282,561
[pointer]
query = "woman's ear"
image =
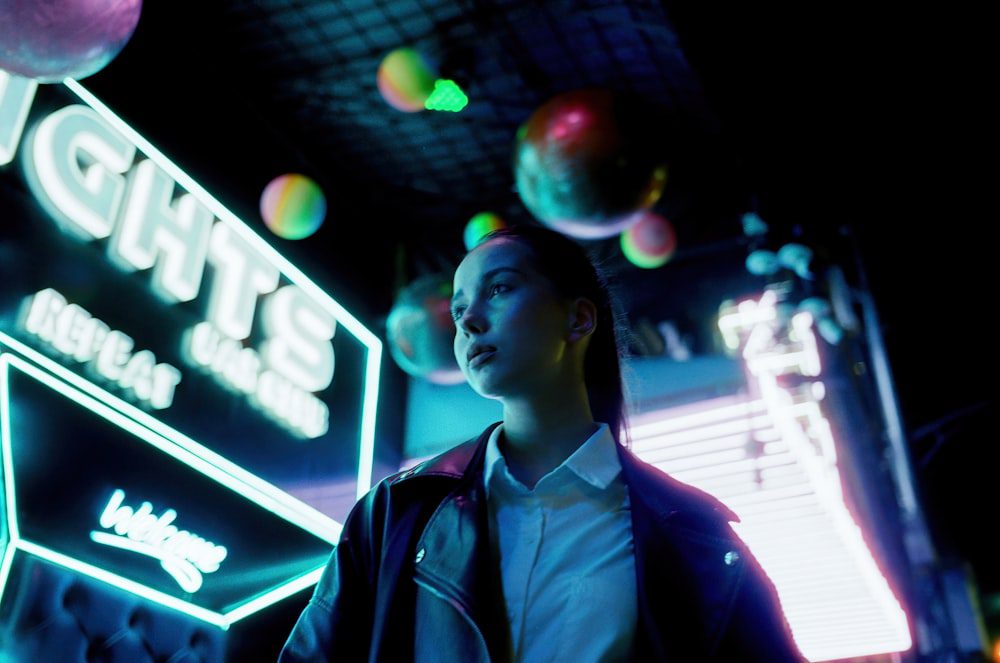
x,y
583,319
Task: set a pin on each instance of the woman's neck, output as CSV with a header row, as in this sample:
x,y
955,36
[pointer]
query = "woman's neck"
x,y
539,434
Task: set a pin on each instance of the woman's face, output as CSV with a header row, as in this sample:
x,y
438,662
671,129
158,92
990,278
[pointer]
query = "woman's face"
x,y
512,317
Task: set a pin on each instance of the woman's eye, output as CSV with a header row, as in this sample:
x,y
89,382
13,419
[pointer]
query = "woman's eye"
x,y
498,287
456,313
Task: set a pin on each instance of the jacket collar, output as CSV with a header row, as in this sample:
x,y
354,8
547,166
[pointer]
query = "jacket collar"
x,y
683,548
465,459
663,495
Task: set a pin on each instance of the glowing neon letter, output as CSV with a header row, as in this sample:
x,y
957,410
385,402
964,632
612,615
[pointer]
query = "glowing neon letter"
x,y
43,311
73,165
156,230
16,95
241,274
299,334
73,331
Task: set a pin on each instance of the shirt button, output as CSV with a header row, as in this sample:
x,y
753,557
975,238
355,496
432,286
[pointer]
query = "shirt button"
x,y
731,557
420,556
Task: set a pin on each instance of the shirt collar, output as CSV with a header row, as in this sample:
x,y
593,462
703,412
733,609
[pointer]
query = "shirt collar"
x,y
595,461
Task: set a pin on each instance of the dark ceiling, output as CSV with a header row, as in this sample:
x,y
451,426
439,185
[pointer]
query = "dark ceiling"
x,y
238,92
822,118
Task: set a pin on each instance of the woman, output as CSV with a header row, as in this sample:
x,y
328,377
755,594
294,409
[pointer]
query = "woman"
x,y
544,538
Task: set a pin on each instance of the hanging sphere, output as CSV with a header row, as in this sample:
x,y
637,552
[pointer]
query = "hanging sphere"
x,y
50,40
293,206
421,332
479,226
586,161
405,80
649,242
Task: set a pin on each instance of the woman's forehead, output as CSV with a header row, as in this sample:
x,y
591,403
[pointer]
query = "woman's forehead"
x,y
492,255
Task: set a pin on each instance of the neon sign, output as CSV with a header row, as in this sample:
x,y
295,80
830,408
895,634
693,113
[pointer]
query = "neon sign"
x,y
71,330
99,182
141,315
214,583
185,556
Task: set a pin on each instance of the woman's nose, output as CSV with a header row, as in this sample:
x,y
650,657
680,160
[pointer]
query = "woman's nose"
x,y
473,320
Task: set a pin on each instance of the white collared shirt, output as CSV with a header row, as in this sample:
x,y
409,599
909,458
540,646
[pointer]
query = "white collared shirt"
x,y
567,562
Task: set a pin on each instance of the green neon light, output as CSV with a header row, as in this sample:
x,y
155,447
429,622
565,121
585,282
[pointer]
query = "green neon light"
x,y
10,503
5,563
447,96
275,500
251,493
303,582
124,583
293,273
163,444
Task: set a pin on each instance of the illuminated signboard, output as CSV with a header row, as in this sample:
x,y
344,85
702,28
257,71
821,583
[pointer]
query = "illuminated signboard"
x,y
771,456
130,291
227,546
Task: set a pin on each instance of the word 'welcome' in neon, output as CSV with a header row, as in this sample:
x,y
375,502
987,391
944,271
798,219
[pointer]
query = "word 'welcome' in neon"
x,y
185,556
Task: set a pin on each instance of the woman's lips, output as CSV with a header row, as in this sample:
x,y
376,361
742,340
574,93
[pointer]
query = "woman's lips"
x,y
481,358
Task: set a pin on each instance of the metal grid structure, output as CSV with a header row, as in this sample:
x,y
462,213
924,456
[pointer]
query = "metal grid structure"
x,y
316,64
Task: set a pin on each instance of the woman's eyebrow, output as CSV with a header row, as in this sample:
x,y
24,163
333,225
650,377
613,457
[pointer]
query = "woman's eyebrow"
x,y
488,275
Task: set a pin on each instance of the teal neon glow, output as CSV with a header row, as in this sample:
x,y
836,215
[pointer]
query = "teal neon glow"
x,y
10,501
5,563
227,312
131,586
16,95
15,542
72,330
172,237
277,312
293,273
167,446
150,222
182,554
188,578
303,582
84,199
271,498
447,96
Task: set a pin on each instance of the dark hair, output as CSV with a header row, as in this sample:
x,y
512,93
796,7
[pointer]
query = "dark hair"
x,y
573,274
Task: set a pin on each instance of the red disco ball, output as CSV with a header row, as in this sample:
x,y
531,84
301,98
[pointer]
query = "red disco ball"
x,y
420,331
587,160
50,40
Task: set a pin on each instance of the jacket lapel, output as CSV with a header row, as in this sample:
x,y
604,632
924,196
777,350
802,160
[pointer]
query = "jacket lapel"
x,y
685,587
457,556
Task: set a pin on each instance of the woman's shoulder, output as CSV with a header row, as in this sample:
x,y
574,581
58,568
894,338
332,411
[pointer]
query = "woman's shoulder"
x,y
669,496
454,463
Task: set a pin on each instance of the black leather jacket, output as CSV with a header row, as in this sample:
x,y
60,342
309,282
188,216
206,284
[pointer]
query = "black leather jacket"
x,y
414,576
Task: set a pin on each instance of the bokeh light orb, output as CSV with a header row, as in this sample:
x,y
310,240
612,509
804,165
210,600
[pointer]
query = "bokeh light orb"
x,y
479,226
293,206
405,79
420,331
49,40
649,242
796,257
587,160
763,263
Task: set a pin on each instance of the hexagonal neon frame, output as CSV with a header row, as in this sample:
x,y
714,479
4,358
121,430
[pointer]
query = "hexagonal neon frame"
x,y
167,440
